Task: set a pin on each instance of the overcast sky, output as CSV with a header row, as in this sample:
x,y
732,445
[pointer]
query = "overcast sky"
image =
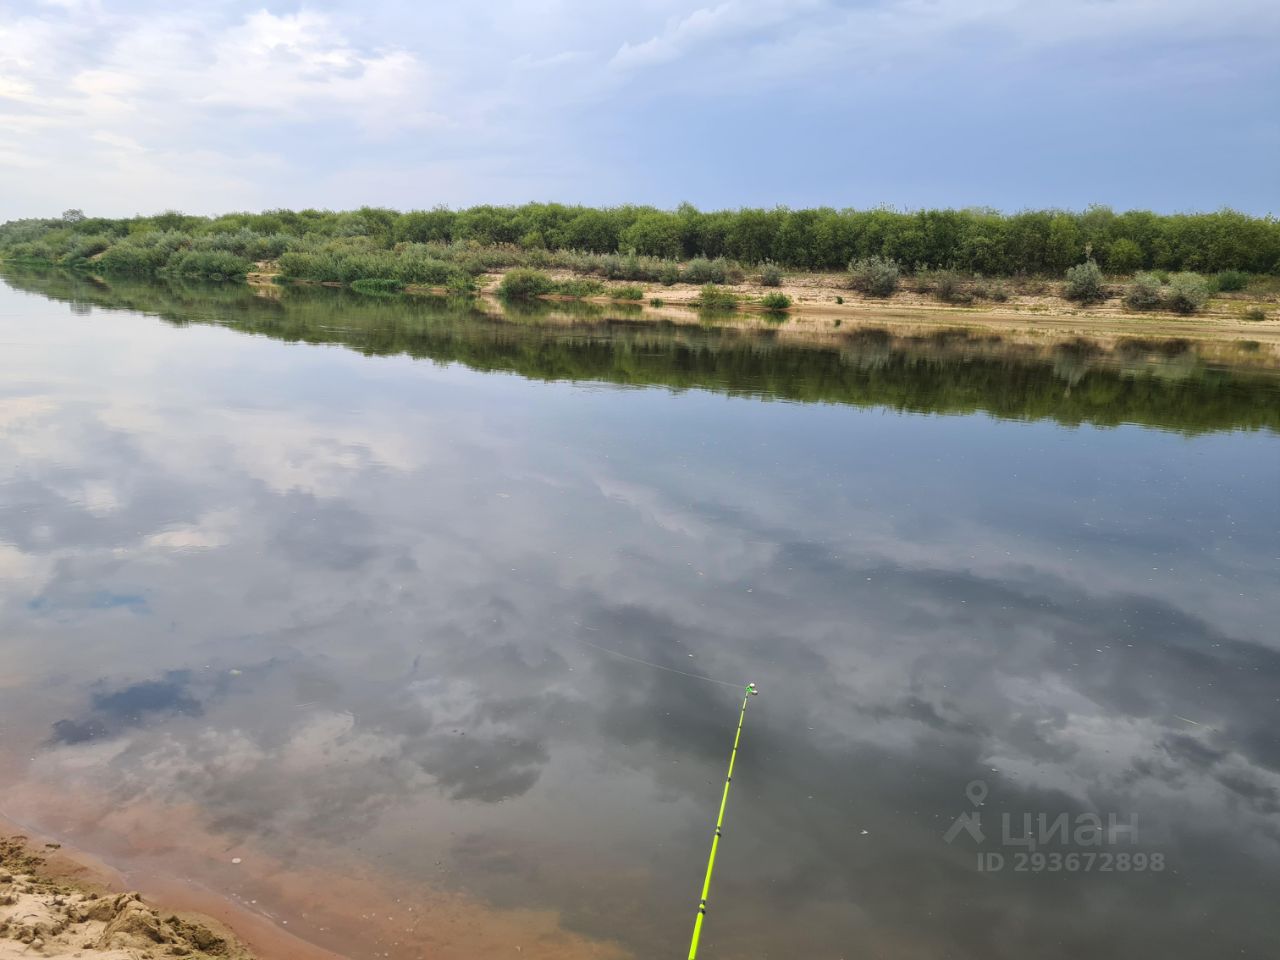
x,y
135,106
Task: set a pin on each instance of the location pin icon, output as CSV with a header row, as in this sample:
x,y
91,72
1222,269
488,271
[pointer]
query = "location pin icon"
x,y
976,791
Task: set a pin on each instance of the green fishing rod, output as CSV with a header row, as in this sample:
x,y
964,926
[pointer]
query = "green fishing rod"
x,y
748,693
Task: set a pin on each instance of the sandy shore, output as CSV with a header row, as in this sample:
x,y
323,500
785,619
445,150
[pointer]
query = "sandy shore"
x,y
823,306
822,302
52,906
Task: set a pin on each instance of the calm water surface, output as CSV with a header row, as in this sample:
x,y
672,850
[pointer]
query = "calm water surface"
x,y
380,610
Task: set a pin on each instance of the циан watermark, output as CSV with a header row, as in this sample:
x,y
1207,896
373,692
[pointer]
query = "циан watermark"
x,y
1080,843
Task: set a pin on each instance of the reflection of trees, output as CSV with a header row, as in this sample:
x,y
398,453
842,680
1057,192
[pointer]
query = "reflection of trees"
x,y
947,373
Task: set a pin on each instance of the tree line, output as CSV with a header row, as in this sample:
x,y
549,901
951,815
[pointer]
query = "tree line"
x,y
978,241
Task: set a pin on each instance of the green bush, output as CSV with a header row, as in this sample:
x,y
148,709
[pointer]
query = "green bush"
x,y
461,285
948,286
134,258
1124,256
874,276
377,286
207,264
775,301
524,284
656,302
770,275
1084,283
627,293
702,270
924,280
1230,281
1146,292
669,274
1188,293
712,297
1255,314
579,287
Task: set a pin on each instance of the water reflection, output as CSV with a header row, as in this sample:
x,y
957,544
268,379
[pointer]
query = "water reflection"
x,y
348,608
1152,382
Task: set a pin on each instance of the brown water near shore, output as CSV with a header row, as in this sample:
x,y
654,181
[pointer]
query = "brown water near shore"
x,y
315,904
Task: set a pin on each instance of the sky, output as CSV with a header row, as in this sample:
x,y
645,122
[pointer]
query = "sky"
x,y
134,107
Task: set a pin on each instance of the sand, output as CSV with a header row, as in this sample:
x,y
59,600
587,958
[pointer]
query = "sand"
x,y
43,915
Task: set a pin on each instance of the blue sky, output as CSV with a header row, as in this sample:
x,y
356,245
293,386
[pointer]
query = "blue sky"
x,y
130,107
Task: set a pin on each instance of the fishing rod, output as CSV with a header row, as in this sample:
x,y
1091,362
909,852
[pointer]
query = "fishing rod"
x,y
747,694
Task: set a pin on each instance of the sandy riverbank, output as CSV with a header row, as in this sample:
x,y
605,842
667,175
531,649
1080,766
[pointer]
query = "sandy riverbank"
x,y
53,905
822,306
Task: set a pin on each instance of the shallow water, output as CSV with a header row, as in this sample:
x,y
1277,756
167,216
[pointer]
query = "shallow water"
x,y
364,595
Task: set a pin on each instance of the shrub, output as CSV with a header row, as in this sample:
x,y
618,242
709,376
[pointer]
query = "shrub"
x,y
142,255
948,286
924,281
998,292
702,270
1084,283
874,276
1145,292
712,297
524,284
377,286
775,301
579,287
839,299
1188,293
770,275
656,302
627,293
209,264
669,274
1255,313
461,285
1229,281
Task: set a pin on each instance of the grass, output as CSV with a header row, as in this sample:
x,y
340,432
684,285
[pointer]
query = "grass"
x,y
629,292
656,302
775,301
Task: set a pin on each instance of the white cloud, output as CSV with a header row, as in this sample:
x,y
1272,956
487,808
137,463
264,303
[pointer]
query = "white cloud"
x,y
223,106
142,106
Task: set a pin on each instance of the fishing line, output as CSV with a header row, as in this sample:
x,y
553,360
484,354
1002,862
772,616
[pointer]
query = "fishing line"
x,y
656,666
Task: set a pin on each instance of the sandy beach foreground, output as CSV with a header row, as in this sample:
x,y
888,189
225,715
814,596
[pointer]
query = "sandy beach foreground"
x,y
53,905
